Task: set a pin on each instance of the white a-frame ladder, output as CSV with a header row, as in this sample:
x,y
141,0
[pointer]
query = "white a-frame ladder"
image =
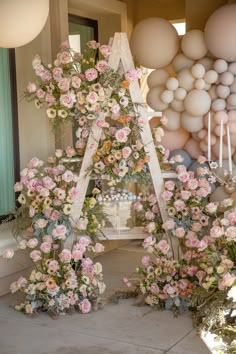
x,y
121,58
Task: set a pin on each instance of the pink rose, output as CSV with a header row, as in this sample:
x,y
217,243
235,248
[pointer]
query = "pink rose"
x,y
55,215
45,247
98,248
91,74
227,281
179,232
202,245
121,135
65,256
126,151
31,87
150,227
231,233
75,82
216,231
149,241
196,227
169,224
59,232
53,265
64,57
8,253
105,50
183,176
50,99
41,223
167,195
47,238
163,246
192,270
211,207
170,290
85,306
68,176
179,205
82,224
101,66
180,168
170,185
32,243
84,241
149,215
18,187
64,84
35,255
152,198
77,255
57,73
185,195
92,97
192,184
48,183
138,206
192,242
68,100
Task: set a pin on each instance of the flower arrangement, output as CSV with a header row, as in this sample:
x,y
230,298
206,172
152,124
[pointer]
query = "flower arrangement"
x,y
80,87
47,192
62,280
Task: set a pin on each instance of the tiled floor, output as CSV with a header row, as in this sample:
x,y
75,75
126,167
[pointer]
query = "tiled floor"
x,y
116,329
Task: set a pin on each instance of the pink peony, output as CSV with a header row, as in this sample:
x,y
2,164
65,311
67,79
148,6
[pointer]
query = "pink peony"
x,y
85,306
216,231
67,100
126,151
163,246
64,57
170,185
32,243
98,248
101,66
91,74
65,256
45,247
149,215
105,50
167,195
53,265
146,261
121,136
169,224
82,224
36,255
59,232
179,232
149,241
68,176
179,205
64,84
227,281
77,255
211,207
92,97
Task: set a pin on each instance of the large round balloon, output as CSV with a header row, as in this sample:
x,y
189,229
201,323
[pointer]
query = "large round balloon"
x,y
193,44
197,102
193,149
153,99
220,32
154,42
157,77
21,21
173,119
218,195
191,123
181,62
175,139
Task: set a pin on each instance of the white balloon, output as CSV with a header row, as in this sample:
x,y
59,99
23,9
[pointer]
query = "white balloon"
x,y
231,100
151,33
222,91
21,21
218,105
232,68
153,99
186,79
180,94
226,78
211,76
233,86
157,77
198,71
200,84
197,103
206,62
177,105
181,62
193,44
191,123
173,119
220,66
172,84
207,87
167,96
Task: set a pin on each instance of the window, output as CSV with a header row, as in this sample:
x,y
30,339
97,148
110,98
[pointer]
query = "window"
x,y
9,146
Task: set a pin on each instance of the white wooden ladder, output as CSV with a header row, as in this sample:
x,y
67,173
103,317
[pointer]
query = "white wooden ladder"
x,y
121,58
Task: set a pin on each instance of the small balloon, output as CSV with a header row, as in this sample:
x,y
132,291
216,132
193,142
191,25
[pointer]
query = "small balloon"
x,y
220,66
221,116
180,94
226,78
211,76
172,84
167,96
198,71
200,84
218,105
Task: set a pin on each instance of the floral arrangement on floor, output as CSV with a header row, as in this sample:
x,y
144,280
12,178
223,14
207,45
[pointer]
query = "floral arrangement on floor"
x,y
194,267
62,280
47,191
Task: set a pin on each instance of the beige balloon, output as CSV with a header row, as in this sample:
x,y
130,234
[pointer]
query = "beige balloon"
x,y
21,21
181,62
193,149
177,105
154,42
193,44
220,33
206,62
153,99
173,119
157,77
197,102
191,123
186,79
